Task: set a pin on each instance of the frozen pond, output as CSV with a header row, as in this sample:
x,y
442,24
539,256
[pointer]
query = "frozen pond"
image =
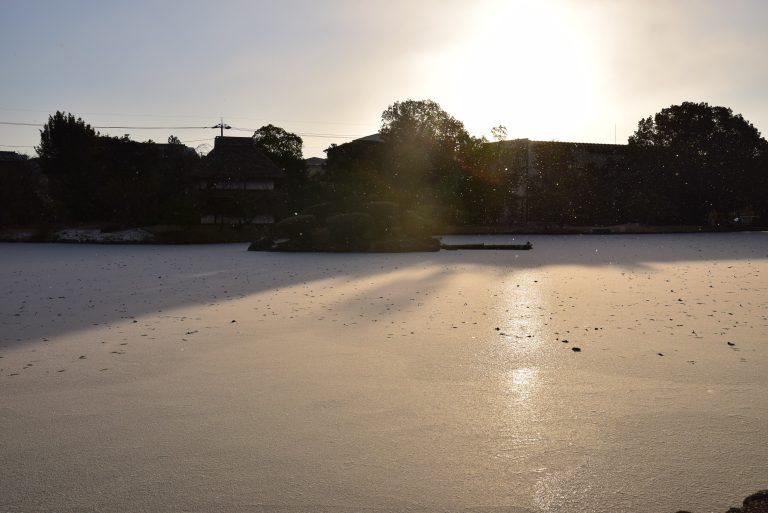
x,y
208,378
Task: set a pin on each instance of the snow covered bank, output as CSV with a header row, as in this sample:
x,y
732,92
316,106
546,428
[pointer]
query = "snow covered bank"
x,y
95,235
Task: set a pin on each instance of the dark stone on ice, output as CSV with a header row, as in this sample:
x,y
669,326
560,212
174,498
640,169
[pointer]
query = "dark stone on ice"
x,y
756,503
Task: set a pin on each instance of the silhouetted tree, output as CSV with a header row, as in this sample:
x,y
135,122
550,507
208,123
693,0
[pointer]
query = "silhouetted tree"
x,y
114,179
423,122
499,133
705,159
281,146
24,194
63,136
67,150
426,148
285,149
145,183
355,172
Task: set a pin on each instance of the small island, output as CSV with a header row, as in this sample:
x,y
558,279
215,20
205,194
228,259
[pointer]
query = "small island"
x,y
372,227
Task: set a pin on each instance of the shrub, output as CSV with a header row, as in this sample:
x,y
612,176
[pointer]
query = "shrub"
x,y
296,227
385,216
350,230
383,209
416,225
320,237
321,210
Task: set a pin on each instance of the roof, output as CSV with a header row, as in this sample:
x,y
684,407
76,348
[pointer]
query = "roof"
x,y
376,138
19,165
314,161
239,157
11,156
565,143
362,143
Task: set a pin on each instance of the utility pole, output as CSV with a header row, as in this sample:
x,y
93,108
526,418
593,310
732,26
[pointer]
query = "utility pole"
x,y
222,126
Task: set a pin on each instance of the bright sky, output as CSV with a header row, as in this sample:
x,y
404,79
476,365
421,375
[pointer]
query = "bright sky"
x,y
569,70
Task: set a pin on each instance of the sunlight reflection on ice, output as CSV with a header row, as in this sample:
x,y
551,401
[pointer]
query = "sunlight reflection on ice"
x,y
523,382
522,321
520,356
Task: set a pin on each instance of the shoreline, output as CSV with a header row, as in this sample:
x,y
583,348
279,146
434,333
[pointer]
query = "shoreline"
x,y
162,235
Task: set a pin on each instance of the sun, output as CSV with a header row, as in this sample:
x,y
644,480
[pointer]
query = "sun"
x,y
529,65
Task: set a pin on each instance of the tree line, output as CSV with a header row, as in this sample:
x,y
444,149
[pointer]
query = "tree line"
x,y
83,177
691,164
688,164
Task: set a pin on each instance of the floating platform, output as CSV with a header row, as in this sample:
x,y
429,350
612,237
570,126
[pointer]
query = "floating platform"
x,y
516,247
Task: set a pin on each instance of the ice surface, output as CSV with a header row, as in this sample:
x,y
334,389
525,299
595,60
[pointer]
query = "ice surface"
x,y
208,378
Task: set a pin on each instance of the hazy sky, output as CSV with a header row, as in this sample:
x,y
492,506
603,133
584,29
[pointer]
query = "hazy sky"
x,y
568,70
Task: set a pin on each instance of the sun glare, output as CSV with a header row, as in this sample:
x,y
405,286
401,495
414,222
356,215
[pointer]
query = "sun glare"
x,y
526,65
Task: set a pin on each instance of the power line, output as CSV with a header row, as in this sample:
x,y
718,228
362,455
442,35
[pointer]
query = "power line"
x,y
194,116
197,140
166,116
155,127
330,136
19,124
127,114
16,123
326,134
306,134
240,129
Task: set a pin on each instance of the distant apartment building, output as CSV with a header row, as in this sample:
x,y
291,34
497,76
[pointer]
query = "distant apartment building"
x,y
536,168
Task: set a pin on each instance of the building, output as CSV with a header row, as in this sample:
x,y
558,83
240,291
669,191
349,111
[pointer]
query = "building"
x,y
11,156
239,184
364,152
538,168
314,167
